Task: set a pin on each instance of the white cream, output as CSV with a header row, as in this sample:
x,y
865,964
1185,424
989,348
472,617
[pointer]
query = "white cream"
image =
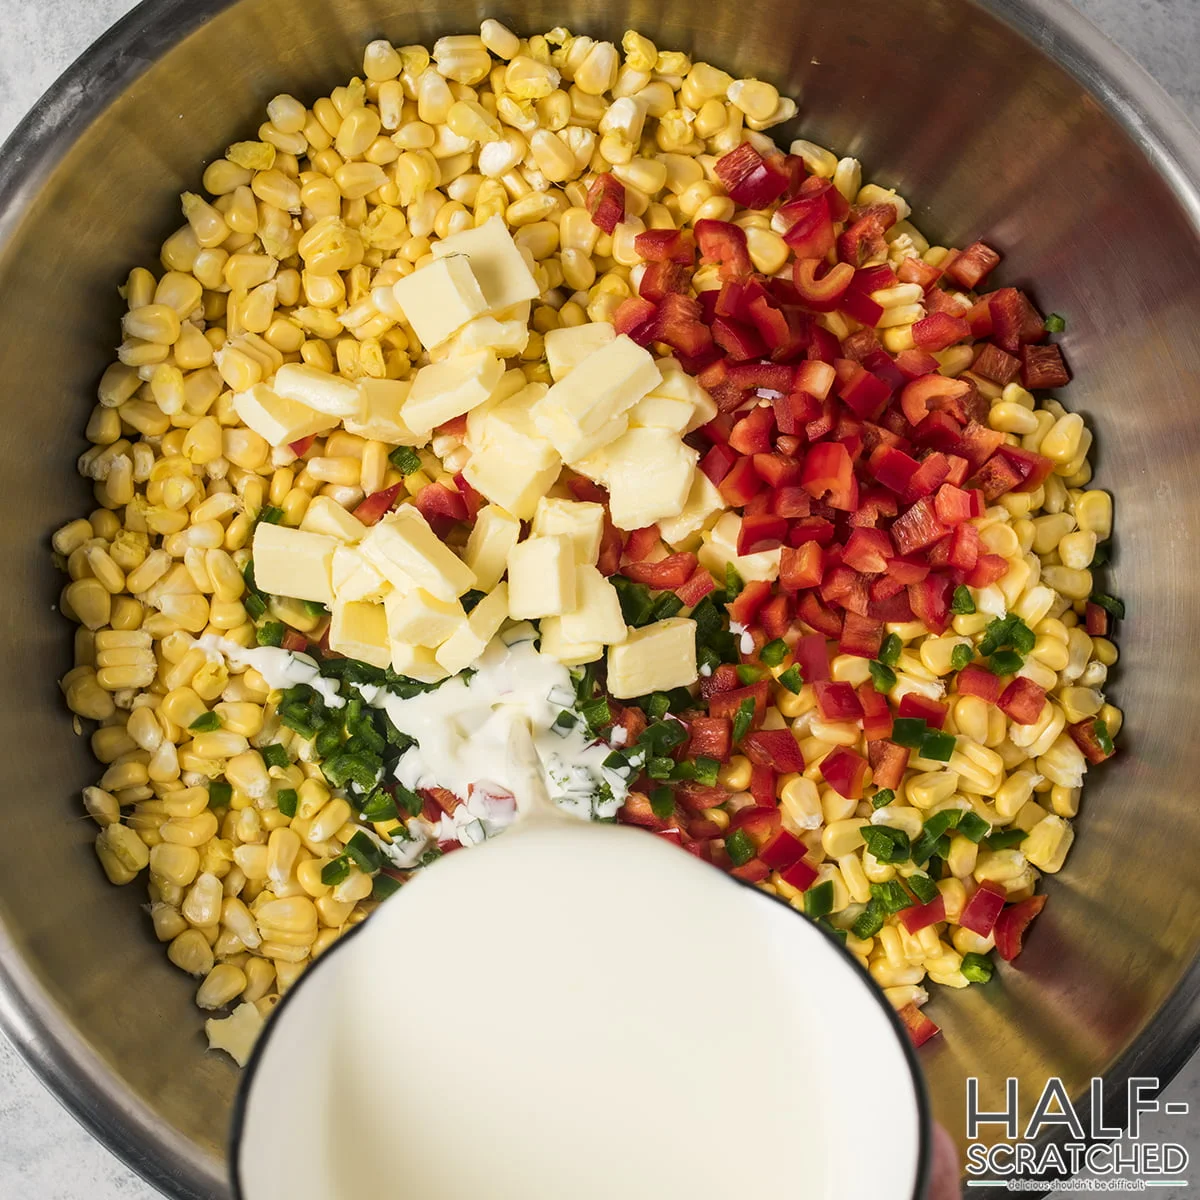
x,y
279,668
565,1012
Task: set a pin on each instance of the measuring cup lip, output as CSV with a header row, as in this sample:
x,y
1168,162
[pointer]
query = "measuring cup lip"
x,y
241,1100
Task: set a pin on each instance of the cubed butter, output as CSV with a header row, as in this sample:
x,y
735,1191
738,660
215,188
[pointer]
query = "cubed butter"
x,y
570,654
582,521
471,639
494,534
606,384
504,335
417,662
596,616
569,345
419,619
497,263
445,390
440,298
409,555
288,562
702,504
720,547
512,385
356,578
327,516
378,416
648,473
360,630
277,419
679,385
318,389
661,412
654,658
541,577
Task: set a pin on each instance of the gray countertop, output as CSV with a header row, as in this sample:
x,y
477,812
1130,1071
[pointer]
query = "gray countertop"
x,y
44,1154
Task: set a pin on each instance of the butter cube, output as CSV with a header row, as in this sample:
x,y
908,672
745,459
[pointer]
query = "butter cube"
x,y
470,640
570,654
278,420
445,390
648,473
654,658
417,662
597,613
288,562
661,412
355,578
513,484
379,416
703,502
327,516
504,334
606,384
569,345
720,547
581,446
679,385
318,389
360,630
512,385
581,521
496,262
440,298
541,577
418,619
409,554
495,533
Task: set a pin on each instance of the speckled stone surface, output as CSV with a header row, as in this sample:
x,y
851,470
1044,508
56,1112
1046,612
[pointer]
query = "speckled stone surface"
x,y
44,1154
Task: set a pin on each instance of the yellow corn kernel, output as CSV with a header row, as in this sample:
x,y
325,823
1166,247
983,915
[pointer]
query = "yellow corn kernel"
x,y
121,852
843,837
191,952
930,788
1047,844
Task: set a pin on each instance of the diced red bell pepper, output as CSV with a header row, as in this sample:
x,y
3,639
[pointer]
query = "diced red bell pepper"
x,y
774,748
829,474
858,346
696,588
979,317
929,711
1096,619
939,330
843,587
921,916
717,463
297,643
660,279
918,527
821,292
641,543
666,245
930,601
637,811
1043,367
635,318
763,787
981,910
864,240
868,551
1083,734
609,558
586,490
929,476
302,446
435,500
781,850
837,702
812,612
861,636
988,569
1034,469
752,434
893,468
750,179
776,617
845,772
978,443
787,330
724,243
1023,701
950,304
373,509
678,323
863,392
952,505
930,391
916,270
776,377
809,230
801,875
711,737
762,532
972,265
995,364
726,704
888,762
745,606
823,425
754,871
964,548
861,307
920,1027
778,470
1012,925
1015,321
740,484
801,567
723,679
811,655
974,680
629,718
606,201
666,574
740,341
698,797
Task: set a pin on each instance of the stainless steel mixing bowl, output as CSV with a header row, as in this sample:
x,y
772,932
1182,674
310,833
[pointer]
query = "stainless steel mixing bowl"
x,y
1010,119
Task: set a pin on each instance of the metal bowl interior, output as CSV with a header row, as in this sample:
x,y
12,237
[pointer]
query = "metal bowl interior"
x,y
1006,118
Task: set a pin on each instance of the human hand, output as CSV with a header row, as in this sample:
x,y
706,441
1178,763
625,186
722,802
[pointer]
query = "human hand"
x,y
943,1177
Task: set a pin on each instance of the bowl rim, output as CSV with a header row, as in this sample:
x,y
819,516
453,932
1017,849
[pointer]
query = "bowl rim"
x,y
80,1079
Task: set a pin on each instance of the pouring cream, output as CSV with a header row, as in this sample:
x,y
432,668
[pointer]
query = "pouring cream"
x,y
584,1011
